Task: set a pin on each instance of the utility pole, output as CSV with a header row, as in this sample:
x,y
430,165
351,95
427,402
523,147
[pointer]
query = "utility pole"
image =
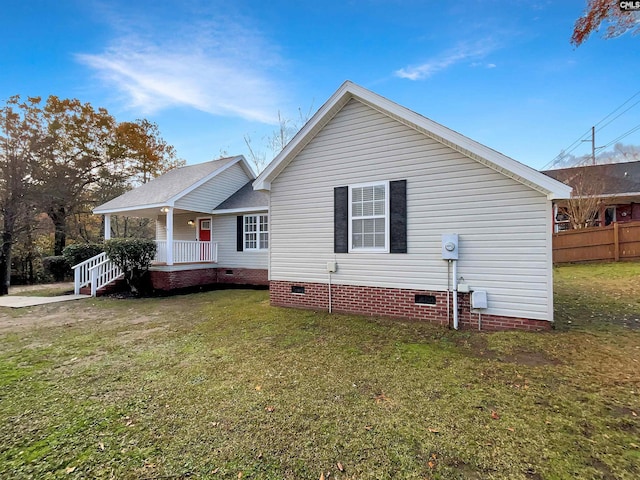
x,y
593,145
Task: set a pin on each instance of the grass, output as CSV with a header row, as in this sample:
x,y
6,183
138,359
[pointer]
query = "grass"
x,y
221,385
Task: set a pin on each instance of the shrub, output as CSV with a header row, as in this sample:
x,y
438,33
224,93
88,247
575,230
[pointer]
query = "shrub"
x,y
57,267
133,256
79,252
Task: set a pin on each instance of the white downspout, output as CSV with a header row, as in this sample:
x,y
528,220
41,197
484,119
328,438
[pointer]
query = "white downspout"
x,y
329,292
455,294
448,293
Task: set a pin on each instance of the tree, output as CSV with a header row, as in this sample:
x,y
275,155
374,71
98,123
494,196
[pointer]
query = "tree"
x,y
582,209
145,153
90,158
62,158
278,139
604,12
75,157
20,139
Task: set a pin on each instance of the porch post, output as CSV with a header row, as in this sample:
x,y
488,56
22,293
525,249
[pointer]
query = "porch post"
x,y
107,226
170,236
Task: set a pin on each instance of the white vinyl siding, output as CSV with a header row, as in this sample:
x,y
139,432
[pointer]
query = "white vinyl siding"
x,y
503,225
181,228
224,231
212,193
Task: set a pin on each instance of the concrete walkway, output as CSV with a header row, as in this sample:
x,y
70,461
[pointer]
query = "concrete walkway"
x,y
16,301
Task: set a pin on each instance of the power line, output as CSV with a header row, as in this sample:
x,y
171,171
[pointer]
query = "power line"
x,y
627,133
618,108
580,139
621,113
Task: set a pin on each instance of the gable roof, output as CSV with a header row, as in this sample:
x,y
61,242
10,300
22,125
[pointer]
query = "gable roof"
x,y
244,200
612,179
464,145
171,186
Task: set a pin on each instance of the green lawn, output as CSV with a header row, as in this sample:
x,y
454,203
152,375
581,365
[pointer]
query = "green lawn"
x,y
221,385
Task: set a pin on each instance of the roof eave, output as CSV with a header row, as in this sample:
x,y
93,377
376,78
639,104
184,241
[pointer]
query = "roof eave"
x,y
507,166
226,211
105,211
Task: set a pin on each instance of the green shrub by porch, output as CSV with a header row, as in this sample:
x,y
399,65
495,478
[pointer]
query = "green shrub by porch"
x,y
133,256
79,252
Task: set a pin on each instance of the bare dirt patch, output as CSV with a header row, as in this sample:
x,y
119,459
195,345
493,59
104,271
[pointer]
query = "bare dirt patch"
x,y
17,289
64,314
478,346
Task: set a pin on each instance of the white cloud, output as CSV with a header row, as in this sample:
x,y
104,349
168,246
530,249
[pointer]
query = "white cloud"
x,y
448,59
219,70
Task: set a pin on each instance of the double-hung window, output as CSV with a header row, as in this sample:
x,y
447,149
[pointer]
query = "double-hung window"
x,y
256,232
369,217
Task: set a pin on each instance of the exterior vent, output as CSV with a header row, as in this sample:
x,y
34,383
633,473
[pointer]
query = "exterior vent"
x,y
297,289
426,299
228,272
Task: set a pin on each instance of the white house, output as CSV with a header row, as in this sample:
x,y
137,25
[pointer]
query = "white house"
x,y
211,225
364,200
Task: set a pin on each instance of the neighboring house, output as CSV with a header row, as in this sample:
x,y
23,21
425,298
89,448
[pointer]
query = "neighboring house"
x,y
211,226
610,193
360,200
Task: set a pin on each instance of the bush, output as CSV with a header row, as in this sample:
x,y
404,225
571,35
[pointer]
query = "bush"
x,y
79,252
133,256
57,267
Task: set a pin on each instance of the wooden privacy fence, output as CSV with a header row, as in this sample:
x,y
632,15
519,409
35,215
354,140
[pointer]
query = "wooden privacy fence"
x,y
612,243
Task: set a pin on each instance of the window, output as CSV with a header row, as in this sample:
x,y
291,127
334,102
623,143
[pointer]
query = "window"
x,y
369,215
256,232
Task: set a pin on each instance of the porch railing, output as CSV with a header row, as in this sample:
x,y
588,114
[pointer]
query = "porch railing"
x,y
188,251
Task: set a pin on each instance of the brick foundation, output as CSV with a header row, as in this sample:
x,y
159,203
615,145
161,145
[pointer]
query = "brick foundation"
x,y
172,280
243,276
392,302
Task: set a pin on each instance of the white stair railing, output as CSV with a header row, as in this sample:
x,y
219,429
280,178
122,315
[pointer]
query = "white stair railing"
x,y
97,272
102,274
81,274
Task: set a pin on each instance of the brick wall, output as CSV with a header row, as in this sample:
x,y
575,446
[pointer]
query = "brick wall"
x,y
162,280
243,276
392,302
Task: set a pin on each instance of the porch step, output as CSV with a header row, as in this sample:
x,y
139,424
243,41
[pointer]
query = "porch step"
x,y
117,285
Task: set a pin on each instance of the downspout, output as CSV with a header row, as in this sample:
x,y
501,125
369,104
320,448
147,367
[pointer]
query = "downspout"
x,y
329,291
448,293
455,294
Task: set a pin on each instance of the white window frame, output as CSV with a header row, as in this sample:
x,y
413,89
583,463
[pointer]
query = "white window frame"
x,y
259,230
387,222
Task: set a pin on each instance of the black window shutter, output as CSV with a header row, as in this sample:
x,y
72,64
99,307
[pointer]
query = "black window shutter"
x,y
341,219
398,212
239,233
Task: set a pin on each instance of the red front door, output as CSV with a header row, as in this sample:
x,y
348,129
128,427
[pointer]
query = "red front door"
x,y
205,230
204,227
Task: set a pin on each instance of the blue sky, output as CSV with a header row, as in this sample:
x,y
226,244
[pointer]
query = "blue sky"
x,y
210,72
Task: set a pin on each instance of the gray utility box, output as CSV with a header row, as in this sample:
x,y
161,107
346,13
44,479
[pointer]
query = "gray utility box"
x,y
479,299
450,246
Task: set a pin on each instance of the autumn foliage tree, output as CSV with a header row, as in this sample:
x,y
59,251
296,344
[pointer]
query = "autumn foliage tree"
x,y
20,141
63,157
604,13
